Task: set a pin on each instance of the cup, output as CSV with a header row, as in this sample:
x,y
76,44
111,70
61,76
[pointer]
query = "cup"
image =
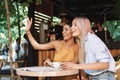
x,y
56,64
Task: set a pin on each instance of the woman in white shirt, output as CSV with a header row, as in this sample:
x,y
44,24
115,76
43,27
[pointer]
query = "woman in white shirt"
x,y
94,57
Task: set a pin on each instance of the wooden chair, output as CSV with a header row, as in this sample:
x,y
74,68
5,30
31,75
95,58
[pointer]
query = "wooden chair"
x,y
117,74
7,72
43,55
1,63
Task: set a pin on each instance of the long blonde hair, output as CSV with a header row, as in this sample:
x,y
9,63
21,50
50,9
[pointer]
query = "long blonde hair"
x,y
84,26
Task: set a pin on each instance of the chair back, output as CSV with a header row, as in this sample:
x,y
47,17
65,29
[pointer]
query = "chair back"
x,y
117,74
45,54
1,63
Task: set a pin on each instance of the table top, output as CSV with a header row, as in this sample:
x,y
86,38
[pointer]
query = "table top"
x,y
44,71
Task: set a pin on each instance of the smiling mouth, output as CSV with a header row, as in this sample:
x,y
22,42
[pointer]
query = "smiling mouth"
x,y
64,35
73,31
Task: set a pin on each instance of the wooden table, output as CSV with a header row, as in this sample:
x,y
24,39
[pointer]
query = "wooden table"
x,y
44,71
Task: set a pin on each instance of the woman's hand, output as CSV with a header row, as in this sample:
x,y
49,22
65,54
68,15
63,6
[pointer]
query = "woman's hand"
x,y
47,62
69,65
28,24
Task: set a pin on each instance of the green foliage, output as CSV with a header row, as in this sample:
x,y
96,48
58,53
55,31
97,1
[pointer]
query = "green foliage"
x,y
56,20
13,20
38,2
23,9
114,29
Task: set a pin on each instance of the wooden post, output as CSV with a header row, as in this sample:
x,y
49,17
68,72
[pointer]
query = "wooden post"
x,y
10,37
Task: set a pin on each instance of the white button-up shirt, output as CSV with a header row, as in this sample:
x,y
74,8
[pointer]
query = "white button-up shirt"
x,y
96,51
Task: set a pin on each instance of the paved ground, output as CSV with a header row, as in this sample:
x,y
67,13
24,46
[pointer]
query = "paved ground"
x,y
5,78
5,67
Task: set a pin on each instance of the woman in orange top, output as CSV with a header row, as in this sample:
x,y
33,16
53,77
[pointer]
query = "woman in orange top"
x,y
66,49
64,53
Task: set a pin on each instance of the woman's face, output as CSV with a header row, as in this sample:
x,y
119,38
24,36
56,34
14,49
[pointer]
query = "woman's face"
x,y
67,32
75,29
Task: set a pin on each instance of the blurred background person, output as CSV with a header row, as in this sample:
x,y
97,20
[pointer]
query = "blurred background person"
x,y
5,50
100,31
16,46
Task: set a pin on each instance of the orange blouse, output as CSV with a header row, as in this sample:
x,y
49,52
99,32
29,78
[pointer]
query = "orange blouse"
x,y
63,54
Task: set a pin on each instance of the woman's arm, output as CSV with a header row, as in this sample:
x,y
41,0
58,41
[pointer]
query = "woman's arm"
x,y
34,43
94,66
87,66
